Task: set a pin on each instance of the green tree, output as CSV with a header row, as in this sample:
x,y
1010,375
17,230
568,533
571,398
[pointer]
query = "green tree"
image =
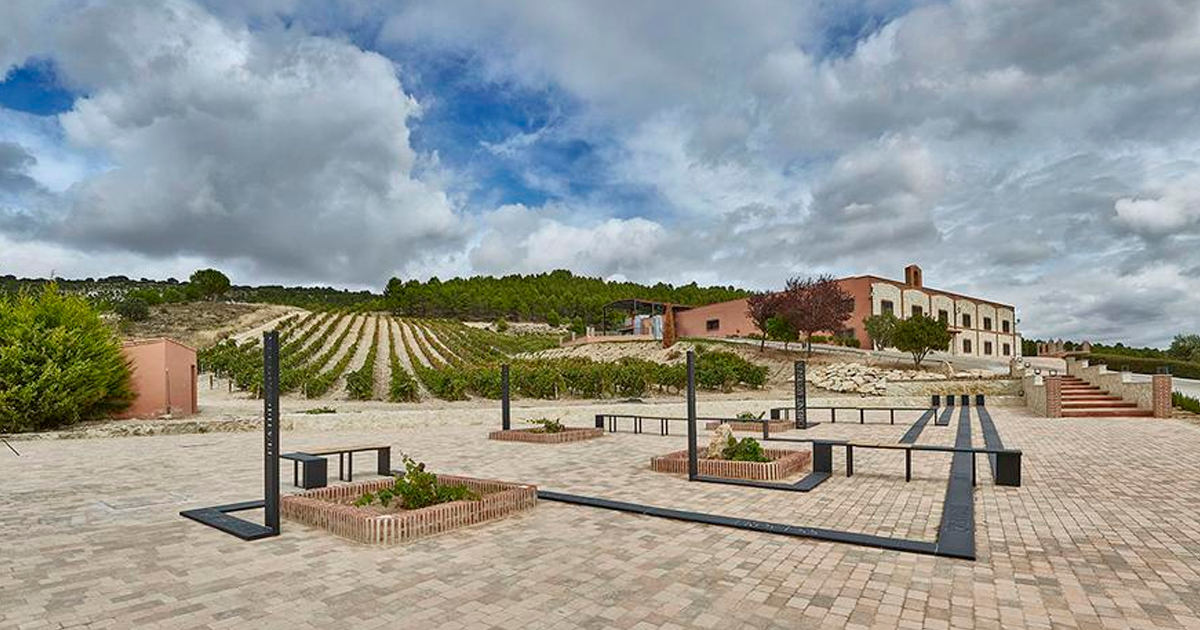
x,y
59,363
209,284
1185,348
133,309
881,329
779,329
919,335
577,326
552,318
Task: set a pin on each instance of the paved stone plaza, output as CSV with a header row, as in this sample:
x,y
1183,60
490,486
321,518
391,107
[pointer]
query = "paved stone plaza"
x,y
1105,533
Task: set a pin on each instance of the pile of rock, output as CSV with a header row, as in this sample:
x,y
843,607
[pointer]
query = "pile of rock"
x,y
863,379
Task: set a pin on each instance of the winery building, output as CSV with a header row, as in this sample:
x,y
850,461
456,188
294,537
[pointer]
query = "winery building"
x,y
980,328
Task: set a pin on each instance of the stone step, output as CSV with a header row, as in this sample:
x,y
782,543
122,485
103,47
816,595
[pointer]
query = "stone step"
x,y
1091,398
1098,404
1107,413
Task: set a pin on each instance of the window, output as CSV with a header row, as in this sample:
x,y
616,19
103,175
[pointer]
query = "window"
x,y
1007,349
966,320
987,348
712,324
944,317
987,323
886,306
1005,327
918,311
966,346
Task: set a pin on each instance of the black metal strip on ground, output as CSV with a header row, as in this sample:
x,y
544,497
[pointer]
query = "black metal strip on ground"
x,y
991,437
956,533
914,432
815,533
218,517
944,419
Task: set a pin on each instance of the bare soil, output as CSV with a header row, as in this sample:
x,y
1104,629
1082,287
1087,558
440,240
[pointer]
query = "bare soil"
x,y
202,324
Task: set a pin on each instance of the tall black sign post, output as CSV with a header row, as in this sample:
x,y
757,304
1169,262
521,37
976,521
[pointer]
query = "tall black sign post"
x,y
220,516
801,397
693,466
271,428
505,406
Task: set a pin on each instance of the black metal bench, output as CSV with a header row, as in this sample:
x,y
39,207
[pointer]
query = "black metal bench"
x,y
346,459
316,473
1008,461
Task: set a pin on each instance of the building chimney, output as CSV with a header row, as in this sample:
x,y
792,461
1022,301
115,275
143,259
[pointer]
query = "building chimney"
x,y
912,276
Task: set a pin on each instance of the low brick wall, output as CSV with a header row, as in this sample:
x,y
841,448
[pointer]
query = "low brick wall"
x,y
573,434
776,426
783,464
320,508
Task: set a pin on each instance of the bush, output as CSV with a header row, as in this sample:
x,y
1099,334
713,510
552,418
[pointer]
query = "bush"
x,y
416,489
1185,402
501,325
133,309
553,319
1182,369
59,363
744,450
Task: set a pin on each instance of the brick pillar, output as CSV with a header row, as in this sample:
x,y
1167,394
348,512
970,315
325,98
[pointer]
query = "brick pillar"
x,y
1053,396
1162,395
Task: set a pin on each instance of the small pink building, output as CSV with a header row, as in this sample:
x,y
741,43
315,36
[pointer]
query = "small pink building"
x,y
163,378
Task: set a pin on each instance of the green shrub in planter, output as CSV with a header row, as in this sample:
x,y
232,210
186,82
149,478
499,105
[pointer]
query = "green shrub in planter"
x,y
59,363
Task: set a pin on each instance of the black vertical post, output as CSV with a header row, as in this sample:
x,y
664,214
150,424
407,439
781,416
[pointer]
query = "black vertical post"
x,y
271,429
505,406
801,390
693,466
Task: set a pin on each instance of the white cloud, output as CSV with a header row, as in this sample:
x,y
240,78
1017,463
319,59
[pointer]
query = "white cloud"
x,y
282,151
1175,208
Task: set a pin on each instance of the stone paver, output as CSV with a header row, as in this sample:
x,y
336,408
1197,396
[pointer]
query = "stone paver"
x,y
1105,533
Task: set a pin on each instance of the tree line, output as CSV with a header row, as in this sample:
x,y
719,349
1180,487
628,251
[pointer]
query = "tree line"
x,y
553,297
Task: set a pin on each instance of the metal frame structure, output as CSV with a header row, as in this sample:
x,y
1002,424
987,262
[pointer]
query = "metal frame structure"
x,y
956,532
218,516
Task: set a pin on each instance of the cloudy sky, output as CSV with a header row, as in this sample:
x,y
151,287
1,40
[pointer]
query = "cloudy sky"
x,y
1039,153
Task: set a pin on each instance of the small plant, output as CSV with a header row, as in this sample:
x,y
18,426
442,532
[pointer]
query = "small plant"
x,y
750,415
501,325
744,450
318,410
417,488
547,425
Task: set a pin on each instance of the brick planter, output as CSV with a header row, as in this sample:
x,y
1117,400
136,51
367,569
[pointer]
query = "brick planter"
x,y
783,464
329,508
777,426
572,434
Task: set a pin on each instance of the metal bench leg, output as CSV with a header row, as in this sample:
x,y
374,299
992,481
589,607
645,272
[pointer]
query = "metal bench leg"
x,y
295,473
849,460
350,466
384,466
341,466
908,465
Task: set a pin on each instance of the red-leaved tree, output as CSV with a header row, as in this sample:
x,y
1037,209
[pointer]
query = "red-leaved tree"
x,y
761,307
814,305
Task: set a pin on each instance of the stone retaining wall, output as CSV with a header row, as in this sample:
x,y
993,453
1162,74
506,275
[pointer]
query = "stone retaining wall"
x,y
972,386
321,508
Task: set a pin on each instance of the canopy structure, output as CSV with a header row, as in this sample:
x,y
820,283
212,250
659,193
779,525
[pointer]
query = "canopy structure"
x,y
634,307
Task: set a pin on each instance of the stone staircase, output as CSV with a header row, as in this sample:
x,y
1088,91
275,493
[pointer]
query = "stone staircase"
x,y
1082,400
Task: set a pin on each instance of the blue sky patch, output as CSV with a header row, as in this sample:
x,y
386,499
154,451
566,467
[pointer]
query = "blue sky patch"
x,y
34,88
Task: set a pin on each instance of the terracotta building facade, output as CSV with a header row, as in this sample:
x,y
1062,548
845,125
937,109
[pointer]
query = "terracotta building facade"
x,y
980,328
